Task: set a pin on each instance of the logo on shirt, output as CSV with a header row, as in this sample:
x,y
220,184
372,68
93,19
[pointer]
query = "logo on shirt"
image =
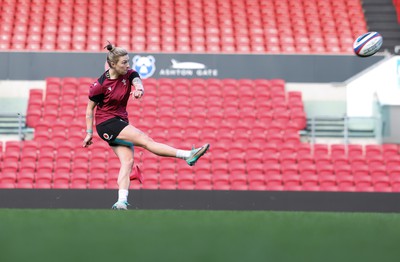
x,y
109,88
144,65
107,136
124,82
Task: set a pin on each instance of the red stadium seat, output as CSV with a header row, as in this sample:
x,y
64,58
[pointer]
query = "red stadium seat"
x,y
237,168
220,181
97,167
320,149
309,180
256,180
11,155
287,158
151,181
34,115
111,181
272,180
80,167
357,160
81,155
375,160
328,179
363,184
291,181
381,183
44,184
8,177
97,181
62,165
303,149
377,171
355,150
61,180
325,169
337,150
373,150
395,183
360,171
43,178
238,181
390,150
25,185
26,177
203,182
329,188
185,180
27,165
29,145
79,181
168,181
10,166
392,160
339,160
321,159
305,159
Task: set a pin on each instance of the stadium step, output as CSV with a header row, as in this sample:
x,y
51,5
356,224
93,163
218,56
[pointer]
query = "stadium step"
x,y
337,127
14,124
381,17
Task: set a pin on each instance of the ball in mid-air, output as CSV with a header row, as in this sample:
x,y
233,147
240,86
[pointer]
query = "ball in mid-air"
x,y
367,44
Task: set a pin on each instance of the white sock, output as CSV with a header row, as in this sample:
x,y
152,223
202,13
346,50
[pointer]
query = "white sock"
x,y
123,195
184,154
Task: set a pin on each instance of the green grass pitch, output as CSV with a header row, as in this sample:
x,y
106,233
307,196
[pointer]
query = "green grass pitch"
x,y
170,235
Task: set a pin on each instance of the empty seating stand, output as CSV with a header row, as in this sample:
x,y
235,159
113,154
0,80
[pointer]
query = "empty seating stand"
x,y
239,26
255,143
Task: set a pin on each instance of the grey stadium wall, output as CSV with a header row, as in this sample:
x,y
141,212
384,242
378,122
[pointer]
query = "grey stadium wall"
x,y
204,200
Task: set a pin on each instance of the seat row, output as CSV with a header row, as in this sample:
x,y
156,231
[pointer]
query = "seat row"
x,y
289,152
205,182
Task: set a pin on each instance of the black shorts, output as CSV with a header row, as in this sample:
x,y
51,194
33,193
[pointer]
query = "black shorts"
x,y
110,129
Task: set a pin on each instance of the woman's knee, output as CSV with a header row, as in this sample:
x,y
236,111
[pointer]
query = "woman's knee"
x,y
136,136
147,141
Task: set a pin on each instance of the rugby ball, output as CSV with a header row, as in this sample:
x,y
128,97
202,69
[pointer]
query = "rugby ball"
x,y
367,44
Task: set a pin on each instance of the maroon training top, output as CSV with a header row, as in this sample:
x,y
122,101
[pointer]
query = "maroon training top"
x,y
112,95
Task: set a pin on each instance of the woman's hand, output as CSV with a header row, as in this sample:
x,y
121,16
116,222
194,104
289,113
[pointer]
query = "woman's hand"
x,y
138,86
88,140
138,94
